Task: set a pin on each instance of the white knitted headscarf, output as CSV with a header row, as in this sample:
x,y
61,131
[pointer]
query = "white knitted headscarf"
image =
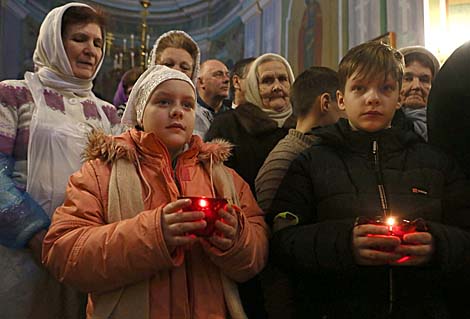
x,y
50,59
156,47
252,88
143,88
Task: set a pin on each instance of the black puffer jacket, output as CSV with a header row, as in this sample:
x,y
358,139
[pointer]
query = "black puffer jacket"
x,y
332,183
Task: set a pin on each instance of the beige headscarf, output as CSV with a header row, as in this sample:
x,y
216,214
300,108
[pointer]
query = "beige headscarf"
x,y
143,88
252,89
153,54
50,59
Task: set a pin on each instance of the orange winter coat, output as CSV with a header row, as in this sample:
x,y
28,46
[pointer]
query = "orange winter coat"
x,y
85,251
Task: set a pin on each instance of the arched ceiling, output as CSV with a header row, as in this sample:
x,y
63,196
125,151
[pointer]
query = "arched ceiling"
x,y
164,12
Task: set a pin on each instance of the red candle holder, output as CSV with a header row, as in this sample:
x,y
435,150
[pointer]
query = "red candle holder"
x,y
210,207
396,226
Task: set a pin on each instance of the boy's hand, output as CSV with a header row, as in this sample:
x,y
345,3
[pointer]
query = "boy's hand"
x,y
373,246
226,230
177,224
416,249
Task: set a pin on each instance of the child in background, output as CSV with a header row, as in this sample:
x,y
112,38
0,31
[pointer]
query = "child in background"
x,y
313,97
121,235
362,168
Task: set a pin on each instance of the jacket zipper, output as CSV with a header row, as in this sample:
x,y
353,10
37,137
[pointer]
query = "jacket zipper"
x,y
379,179
386,212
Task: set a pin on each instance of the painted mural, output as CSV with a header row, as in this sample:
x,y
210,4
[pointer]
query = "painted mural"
x,y
310,36
228,46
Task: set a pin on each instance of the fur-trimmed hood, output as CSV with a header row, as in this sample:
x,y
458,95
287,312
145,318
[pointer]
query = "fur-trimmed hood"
x,y
111,148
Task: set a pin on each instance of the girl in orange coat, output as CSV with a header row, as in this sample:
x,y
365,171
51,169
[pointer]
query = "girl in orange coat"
x,y
121,234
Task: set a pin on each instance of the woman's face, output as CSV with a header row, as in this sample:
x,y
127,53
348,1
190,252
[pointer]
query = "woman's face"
x,y
178,59
83,44
170,114
274,85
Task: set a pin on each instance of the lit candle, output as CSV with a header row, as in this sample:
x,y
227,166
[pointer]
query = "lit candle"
x,y
132,59
390,222
120,60
124,44
132,41
115,64
148,41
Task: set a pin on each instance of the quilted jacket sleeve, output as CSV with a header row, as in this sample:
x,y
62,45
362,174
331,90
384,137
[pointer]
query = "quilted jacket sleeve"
x,y
82,250
249,254
308,247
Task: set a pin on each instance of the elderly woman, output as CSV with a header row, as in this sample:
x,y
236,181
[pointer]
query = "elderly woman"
x,y
255,128
132,249
421,67
44,121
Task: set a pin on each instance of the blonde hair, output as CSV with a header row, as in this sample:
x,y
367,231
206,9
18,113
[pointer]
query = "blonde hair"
x,y
180,40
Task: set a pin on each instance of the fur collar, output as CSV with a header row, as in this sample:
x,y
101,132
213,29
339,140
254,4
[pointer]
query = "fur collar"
x,y
111,148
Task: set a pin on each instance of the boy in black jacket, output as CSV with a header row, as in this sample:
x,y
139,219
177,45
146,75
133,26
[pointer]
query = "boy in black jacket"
x,y
344,263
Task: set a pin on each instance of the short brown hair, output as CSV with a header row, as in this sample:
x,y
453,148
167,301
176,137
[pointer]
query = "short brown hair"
x,y
178,41
83,15
370,59
309,85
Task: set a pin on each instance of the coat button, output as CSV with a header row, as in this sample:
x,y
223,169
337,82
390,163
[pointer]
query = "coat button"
x,y
73,101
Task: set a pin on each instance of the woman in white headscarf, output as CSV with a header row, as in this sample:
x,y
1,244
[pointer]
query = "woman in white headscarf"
x,y
121,234
44,120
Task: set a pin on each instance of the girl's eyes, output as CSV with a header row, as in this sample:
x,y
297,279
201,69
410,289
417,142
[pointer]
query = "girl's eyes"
x,y
166,102
163,102
188,105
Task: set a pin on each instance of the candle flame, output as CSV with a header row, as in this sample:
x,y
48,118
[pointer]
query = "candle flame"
x,y
390,221
203,203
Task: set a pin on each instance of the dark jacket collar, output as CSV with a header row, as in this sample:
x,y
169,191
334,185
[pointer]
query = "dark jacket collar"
x,y
257,122
341,135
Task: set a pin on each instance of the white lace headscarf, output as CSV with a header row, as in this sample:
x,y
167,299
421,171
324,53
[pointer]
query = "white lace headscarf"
x,y
196,63
143,88
50,59
252,87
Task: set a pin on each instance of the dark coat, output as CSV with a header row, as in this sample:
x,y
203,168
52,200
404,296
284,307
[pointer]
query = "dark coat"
x,y
332,183
254,135
448,111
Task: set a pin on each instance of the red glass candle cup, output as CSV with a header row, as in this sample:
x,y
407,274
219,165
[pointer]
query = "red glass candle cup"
x,y
397,227
210,207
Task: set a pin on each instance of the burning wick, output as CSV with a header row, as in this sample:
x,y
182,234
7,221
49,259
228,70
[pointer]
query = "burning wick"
x,y
203,203
390,222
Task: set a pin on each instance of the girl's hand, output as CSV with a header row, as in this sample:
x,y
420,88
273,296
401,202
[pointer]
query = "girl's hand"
x,y
226,230
177,224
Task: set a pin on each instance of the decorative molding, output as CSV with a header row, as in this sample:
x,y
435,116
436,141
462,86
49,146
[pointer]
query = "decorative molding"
x,y
250,11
